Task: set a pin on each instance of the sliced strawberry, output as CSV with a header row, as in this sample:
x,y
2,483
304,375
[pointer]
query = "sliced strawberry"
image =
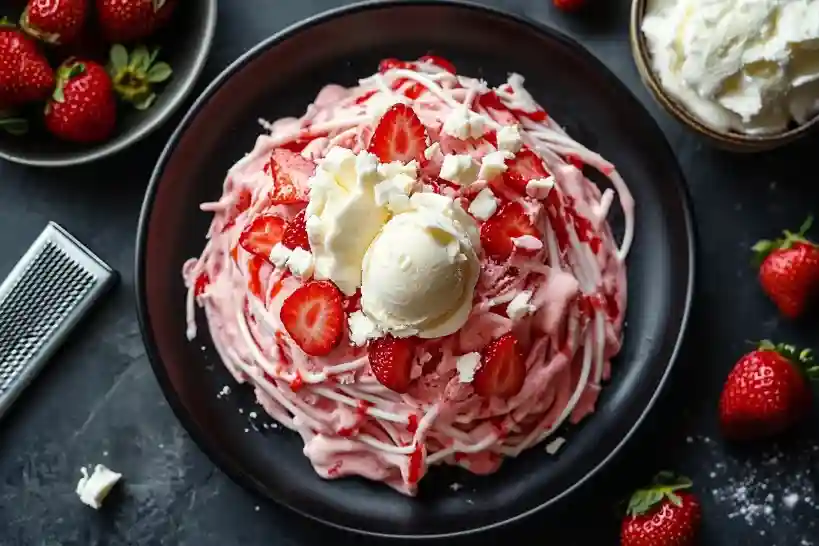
x,y
261,235
491,137
391,361
497,232
290,172
439,61
490,99
502,369
525,166
352,303
314,318
414,91
295,234
398,83
399,136
390,63
299,144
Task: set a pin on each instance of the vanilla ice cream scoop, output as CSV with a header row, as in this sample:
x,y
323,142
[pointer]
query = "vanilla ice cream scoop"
x,y
420,271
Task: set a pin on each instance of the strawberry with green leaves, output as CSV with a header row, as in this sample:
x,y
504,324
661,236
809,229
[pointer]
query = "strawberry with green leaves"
x,y
663,514
789,270
25,75
134,76
123,21
56,22
83,107
766,392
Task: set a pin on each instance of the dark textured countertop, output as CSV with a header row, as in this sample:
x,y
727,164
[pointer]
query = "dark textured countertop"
x,y
98,400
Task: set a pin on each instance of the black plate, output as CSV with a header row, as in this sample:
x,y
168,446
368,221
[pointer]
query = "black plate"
x,y
279,78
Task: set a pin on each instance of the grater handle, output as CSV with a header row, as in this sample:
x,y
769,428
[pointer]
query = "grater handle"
x,y
51,288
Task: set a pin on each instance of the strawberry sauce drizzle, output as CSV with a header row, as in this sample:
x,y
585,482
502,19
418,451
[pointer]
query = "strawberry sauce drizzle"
x,y
416,463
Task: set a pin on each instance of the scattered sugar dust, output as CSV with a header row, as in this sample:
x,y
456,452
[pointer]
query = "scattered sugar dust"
x,y
772,492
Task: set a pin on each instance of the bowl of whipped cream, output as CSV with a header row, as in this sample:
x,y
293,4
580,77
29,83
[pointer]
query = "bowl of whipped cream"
x,y
743,73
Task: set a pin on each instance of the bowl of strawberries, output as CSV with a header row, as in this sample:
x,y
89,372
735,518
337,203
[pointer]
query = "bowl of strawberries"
x,y
83,79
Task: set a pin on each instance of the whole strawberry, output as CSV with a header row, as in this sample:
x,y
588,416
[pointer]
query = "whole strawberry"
x,y
766,392
25,75
124,21
662,514
55,21
789,270
83,107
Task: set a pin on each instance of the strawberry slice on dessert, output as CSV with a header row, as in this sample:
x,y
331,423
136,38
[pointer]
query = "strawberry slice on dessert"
x,y
314,317
525,166
261,235
390,63
497,232
391,361
439,61
502,369
295,234
399,136
290,172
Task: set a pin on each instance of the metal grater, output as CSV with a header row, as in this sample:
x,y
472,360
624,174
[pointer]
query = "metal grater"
x,y
49,290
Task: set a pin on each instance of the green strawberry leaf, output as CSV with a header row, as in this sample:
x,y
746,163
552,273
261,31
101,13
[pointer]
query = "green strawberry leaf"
x,y
674,498
154,55
119,57
14,126
139,61
806,225
159,73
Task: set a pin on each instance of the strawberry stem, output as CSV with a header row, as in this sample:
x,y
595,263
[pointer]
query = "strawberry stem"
x,y
664,486
764,247
802,358
134,75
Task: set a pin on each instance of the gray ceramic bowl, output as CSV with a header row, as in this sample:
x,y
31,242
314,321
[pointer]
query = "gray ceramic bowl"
x,y
185,45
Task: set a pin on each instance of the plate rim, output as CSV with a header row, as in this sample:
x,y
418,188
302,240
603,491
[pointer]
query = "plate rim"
x,y
239,475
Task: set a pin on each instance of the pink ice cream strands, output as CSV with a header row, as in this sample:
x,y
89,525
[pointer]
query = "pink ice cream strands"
x,y
416,272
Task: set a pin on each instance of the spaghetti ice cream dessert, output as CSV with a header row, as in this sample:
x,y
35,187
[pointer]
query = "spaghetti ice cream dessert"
x,y
416,272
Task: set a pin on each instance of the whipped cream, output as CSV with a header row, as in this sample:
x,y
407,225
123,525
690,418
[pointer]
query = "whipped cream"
x,y
749,66
342,216
420,272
